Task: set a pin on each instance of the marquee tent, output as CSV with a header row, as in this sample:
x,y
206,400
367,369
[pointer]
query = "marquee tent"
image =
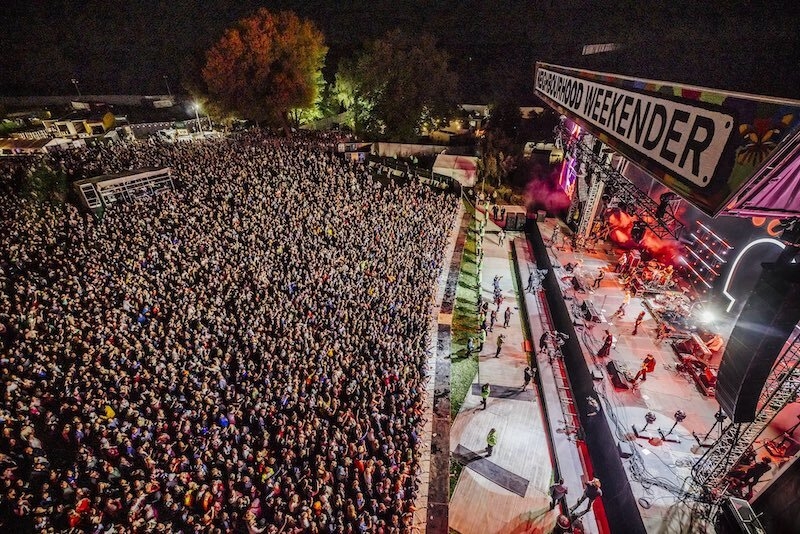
x,y
463,169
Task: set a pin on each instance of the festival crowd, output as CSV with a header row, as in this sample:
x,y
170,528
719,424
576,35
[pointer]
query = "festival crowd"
x,y
246,353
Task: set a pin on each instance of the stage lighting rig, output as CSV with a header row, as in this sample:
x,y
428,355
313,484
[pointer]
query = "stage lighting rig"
x,y
637,232
664,202
617,185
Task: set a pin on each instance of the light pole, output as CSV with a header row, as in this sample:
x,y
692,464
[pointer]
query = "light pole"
x,y
197,115
75,83
166,81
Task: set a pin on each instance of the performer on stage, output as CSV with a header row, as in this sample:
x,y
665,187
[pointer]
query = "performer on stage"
x,y
663,331
622,307
605,350
648,366
637,324
623,261
554,238
598,279
755,472
666,276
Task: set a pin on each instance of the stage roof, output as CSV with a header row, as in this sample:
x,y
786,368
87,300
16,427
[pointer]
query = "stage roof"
x,y
774,191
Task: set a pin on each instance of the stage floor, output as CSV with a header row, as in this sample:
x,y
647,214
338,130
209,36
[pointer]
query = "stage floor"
x,y
507,493
657,468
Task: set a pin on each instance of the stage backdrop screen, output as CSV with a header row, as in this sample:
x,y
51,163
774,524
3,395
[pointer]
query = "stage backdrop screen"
x,y
702,143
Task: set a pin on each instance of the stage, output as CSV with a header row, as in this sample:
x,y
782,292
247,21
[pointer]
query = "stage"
x,y
656,456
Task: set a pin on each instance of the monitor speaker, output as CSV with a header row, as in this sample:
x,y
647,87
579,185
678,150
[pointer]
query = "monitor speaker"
x,y
588,311
625,449
616,376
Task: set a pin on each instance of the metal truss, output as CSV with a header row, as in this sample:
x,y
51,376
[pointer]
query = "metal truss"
x,y
589,211
781,388
666,226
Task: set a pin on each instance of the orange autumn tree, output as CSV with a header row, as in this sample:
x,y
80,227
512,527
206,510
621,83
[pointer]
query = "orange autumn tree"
x,y
265,65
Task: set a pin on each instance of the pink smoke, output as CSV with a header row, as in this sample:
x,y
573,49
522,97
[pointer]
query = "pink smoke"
x,y
543,192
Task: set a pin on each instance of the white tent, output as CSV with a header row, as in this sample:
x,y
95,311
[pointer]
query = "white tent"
x,y
463,169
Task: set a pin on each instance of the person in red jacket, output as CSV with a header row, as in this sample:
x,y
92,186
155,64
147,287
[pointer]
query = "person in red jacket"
x,y
648,366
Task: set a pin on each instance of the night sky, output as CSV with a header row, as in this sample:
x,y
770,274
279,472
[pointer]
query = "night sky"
x,y
115,46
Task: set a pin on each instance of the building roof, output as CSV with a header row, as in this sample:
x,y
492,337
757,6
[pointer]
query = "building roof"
x,y
139,173
23,144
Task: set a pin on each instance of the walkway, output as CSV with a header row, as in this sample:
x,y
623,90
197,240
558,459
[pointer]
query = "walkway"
x,y
507,492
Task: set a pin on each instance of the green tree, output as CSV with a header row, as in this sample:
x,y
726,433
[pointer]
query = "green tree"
x,y
505,119
303,115
354,98
397,83
264,66
43,184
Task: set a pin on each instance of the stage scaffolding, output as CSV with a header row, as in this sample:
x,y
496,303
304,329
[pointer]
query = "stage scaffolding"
x,y
782,386
605,178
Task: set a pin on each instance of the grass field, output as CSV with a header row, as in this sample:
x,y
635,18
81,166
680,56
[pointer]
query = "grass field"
x,y
463,367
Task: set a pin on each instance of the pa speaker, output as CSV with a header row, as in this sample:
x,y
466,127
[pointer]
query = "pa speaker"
x,y
767,320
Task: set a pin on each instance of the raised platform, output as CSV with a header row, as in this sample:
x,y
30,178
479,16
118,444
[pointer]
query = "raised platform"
x,y
654,469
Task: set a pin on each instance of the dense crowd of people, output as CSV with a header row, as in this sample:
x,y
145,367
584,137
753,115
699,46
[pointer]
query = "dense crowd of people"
x,y
245,353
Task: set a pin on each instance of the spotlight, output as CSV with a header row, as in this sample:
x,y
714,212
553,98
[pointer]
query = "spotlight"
x,y
719,419
649,419
707,316
664,199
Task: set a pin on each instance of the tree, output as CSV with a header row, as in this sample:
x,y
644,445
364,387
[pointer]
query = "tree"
x,y
303,115
398,83
264,66
505,119
43,184
353,97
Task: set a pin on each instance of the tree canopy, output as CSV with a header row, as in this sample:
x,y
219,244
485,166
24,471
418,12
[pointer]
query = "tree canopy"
x,y
264,66
396,85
